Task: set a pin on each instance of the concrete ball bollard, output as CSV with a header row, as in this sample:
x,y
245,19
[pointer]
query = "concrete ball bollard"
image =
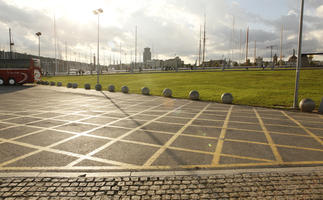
x,y
69,85
125,89
111,88
167,92
52,83
227,98
194,95
59,84
307,105
74,85
87,86
98,87
321,107
145,91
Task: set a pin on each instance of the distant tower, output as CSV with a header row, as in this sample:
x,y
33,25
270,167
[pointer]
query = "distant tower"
x,y
147,54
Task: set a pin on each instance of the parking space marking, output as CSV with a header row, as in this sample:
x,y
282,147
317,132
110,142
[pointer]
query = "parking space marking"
x,y
304,128
172,139
49,149
269,139
129,132
245,157
88,108
64,140
219,146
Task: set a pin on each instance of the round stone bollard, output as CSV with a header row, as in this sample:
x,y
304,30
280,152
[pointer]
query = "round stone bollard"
x,y
321,107
59,84
227,98
111,88
194,95
74,85
167,92
69,85
125,89
98,87
87,86
52,83
145,91
307,105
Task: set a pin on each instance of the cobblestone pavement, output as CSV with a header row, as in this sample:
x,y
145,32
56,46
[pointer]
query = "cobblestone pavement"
x,y
270,185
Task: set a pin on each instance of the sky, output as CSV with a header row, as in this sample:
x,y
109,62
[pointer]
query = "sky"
x,y
169,27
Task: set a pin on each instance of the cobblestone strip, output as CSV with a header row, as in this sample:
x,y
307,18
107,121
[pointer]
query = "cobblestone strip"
x,y
305,185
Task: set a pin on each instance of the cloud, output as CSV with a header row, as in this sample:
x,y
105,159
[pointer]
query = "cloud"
x,y
169,27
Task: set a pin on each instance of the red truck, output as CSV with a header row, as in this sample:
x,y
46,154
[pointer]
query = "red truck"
x,y
19,71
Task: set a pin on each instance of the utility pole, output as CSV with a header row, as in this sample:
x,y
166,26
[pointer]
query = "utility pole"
x,y
135,49
120,57
281,44
255,52
55,41
240,44
271,54
200,41
247,44
10,44
299,56
232,39
203,56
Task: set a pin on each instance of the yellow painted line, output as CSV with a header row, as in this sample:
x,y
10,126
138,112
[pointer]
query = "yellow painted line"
x,y
190,150
245,141
269,139
40,148
304,162
229,165
126,134
162,167
172,139
200,136
219,146
48,148
305,129
246,157
297,147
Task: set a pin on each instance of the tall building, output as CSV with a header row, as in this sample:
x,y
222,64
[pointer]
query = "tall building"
x,y
147,54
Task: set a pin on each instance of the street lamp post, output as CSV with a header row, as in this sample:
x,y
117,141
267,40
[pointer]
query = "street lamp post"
x,y
98,12
299,56
38,34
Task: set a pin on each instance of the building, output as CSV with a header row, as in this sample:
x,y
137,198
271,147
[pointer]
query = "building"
x,y
259,61
214,63
172,64
154,64
293,59
146,54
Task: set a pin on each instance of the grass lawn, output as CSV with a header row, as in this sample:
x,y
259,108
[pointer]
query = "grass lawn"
x,y
256,88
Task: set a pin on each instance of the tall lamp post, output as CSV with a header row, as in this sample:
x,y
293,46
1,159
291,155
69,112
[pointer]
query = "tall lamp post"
x,y
299,56
98,12
38,34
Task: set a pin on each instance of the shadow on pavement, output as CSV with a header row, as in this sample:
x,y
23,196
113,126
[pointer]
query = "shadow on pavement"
x,y
178,159
9,89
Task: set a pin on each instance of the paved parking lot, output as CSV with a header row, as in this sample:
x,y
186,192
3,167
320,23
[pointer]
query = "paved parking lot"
x,y
52,128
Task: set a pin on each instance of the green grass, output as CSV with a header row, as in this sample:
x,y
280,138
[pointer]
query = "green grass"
x,y
256,88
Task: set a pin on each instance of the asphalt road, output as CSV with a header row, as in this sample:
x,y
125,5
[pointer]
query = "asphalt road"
x,y
59,129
